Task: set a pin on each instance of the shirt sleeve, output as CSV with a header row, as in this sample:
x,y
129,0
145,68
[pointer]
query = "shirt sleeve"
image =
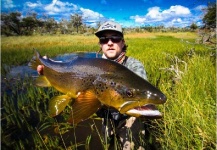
x,y
137,67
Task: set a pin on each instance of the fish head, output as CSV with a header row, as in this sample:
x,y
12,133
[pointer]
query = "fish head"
x,y
139,96
129,95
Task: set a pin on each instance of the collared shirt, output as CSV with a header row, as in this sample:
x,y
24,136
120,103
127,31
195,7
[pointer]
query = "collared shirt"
x,y
136,66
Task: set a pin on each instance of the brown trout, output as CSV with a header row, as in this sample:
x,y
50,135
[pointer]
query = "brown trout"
x,y
90,83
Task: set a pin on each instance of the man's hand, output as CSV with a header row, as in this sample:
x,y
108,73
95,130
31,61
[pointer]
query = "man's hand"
x,y
40,69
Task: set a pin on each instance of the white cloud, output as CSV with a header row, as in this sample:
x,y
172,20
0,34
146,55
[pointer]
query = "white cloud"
x,y
200,7
177,10
168,16
177,20
33,5
90,15
154,13
62,9
138,19
57,7
8,4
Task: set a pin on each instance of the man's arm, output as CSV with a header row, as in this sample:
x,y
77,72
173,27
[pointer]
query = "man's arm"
x,y
137,67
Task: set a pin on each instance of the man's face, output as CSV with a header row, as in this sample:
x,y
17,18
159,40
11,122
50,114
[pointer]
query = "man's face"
x,y
112,44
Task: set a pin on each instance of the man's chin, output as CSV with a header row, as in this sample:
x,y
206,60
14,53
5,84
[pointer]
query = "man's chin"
x,y
111,56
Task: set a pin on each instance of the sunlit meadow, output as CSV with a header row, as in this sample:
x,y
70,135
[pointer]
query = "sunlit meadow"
x,y
182,69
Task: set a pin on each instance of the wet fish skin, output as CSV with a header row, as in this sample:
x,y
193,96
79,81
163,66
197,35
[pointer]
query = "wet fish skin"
x,y
90,82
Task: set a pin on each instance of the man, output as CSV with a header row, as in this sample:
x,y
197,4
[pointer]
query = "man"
x,y
121,131
118,127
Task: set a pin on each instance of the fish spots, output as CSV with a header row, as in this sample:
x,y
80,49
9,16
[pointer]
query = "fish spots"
x,y
129,93
101,85
112,83
88,81
100,88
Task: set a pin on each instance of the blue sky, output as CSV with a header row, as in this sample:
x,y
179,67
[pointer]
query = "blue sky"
x,y
178,13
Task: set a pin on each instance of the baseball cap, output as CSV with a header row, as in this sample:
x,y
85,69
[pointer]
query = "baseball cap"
x,y
109,26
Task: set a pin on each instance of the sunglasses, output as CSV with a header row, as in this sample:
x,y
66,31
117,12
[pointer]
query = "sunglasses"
x,y
114,39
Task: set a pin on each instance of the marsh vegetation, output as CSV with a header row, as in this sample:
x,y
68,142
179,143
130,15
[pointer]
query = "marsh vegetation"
x,y
182,69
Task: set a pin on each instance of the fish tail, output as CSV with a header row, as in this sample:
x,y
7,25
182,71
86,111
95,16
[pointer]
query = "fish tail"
x,y
35,61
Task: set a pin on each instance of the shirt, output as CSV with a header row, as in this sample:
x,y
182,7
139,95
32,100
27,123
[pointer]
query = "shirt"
x,y
136,66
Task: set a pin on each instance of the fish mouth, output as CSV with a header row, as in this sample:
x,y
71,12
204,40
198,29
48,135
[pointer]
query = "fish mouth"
x,y
148,111
159,98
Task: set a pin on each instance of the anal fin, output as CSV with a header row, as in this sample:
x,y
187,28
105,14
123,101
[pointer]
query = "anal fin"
x,y
85,105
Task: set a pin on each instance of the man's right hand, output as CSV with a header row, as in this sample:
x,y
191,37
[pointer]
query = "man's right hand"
x,y
40,69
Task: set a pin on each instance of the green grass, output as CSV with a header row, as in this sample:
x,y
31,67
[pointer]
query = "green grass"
x,y
183,70
189,114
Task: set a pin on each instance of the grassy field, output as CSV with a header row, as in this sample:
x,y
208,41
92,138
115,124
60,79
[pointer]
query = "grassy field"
x,y
182,69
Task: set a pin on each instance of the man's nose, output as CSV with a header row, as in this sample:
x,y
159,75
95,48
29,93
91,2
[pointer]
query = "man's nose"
x,y
110,41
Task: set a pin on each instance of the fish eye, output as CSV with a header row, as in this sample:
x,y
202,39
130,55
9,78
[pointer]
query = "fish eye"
x,y
129,93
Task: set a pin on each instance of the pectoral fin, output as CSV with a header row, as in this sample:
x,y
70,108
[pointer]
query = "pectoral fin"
x,y
85,105
42,81
57,104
